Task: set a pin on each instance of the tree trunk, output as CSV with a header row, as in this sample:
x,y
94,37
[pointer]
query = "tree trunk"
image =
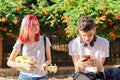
x,y
1,50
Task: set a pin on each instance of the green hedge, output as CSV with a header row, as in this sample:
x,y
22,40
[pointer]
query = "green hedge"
x,y
61,13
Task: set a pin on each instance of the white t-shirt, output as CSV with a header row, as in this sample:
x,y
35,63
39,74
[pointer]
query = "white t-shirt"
x,y
35,50
100,49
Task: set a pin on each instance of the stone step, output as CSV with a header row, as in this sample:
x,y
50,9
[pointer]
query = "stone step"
x,y
8,72
62,72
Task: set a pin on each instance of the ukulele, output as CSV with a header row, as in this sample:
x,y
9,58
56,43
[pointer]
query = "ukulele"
x,y
24,59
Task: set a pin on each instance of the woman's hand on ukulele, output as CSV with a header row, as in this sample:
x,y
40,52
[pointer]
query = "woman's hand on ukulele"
x,y
28,67
44,67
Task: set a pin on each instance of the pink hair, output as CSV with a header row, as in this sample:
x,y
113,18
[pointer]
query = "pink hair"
x,y
26,30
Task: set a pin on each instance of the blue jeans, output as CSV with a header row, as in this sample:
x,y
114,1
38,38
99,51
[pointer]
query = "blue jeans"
x,y
25,77
112,74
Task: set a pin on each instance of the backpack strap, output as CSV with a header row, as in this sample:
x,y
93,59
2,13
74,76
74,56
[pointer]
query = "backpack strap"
x,y
45,46
21,48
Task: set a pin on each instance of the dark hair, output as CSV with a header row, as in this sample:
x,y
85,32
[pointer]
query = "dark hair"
x,y
86,23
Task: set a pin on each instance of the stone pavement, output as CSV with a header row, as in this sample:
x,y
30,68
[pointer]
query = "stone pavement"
x,y
63,73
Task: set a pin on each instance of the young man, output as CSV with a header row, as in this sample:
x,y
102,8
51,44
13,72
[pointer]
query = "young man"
x,y
89,50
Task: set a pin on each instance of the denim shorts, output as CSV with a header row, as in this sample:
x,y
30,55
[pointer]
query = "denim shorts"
x,y
26,77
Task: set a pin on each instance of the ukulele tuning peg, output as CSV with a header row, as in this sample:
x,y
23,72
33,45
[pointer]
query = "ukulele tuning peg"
x,y
54,64
50,64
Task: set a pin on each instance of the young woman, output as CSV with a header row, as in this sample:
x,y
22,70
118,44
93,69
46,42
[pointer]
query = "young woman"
x,y
33,47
